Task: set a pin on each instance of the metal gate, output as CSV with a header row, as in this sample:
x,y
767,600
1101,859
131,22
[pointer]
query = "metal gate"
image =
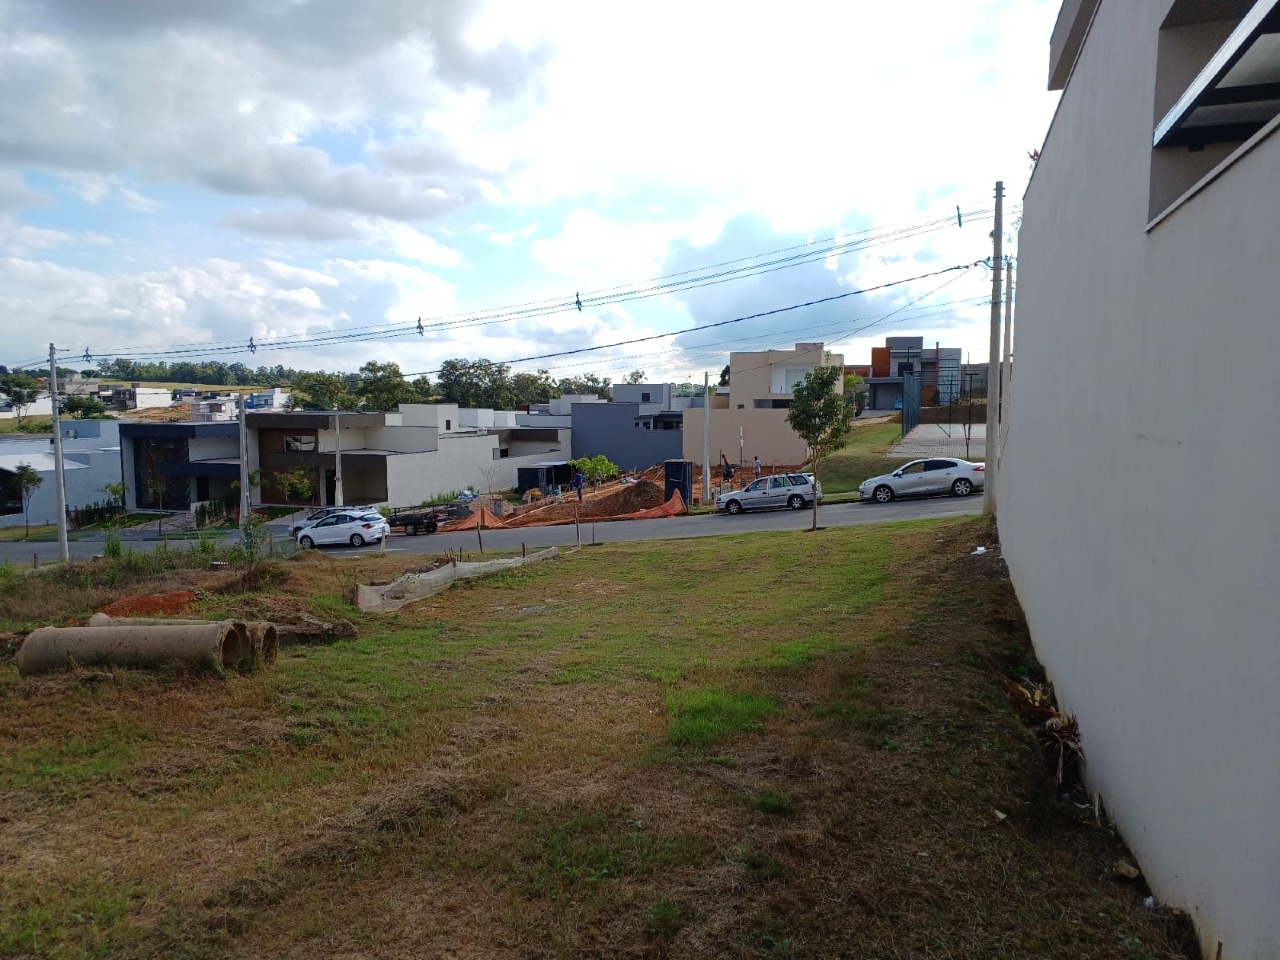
x,y
910,402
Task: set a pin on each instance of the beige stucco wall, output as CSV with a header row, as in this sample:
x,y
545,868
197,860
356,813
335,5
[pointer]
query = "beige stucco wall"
x,y
765,432
1137,489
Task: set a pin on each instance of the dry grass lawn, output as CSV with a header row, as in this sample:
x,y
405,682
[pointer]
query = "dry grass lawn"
x,y
790,745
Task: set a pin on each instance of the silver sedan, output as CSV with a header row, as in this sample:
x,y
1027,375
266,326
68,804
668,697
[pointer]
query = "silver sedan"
x,y
922,478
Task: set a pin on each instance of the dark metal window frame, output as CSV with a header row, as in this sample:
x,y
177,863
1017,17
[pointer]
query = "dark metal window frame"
x,y
1204,91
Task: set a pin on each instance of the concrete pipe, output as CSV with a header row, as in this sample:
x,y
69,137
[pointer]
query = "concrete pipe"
x,y
266,641
261,635
212,646
106,620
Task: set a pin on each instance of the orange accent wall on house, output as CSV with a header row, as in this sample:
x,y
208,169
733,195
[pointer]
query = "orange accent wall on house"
x,y
880,361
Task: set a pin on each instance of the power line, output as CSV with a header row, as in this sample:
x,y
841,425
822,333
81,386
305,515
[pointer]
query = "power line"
x,y
357,378
629,292
724,323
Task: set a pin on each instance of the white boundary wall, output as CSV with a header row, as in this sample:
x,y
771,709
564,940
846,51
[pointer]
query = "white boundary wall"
x,y
1137,497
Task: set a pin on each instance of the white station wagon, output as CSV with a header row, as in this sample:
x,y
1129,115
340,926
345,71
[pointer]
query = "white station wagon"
x,y
792,490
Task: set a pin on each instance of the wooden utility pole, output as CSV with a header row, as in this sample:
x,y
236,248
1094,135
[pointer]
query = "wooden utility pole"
x,y
706,437
993,361
64,548
246,501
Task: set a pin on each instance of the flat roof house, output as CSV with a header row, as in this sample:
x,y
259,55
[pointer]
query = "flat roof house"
x,y
753,410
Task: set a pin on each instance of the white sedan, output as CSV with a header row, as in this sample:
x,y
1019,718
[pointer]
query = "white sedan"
x,y
354,528
922,478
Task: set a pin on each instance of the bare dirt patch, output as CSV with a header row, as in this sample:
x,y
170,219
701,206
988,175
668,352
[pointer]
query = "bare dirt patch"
x,y
627,498
151,605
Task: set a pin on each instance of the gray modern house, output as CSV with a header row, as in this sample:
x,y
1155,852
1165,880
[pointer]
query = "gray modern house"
x,y
638,429
1138,521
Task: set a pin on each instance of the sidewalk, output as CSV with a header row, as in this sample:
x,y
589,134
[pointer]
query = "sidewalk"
x,y
942,440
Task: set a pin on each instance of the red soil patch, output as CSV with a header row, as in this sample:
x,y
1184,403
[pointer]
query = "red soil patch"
x,y
628,498
151,604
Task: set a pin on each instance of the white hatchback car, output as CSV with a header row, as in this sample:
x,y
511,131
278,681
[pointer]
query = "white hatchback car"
x,y
922,478
355,528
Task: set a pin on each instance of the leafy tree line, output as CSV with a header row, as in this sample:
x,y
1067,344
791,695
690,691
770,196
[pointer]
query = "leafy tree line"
x,y
377,387
187,371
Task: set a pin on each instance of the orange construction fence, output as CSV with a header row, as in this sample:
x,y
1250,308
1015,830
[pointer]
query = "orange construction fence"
x,y
488,520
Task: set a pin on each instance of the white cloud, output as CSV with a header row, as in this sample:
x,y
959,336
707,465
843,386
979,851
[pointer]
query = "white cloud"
x,y
542,149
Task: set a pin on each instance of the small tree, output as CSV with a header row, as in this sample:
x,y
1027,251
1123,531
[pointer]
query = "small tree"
x,y
21,390
29,481
116,492
855,391
83,407
296,486
724,376
635,376
595,469
822,418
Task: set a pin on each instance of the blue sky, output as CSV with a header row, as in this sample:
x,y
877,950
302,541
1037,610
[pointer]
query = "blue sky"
x,y
190,175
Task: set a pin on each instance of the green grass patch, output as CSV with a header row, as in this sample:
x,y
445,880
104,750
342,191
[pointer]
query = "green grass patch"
x,y
81,921
701,717
667,917
862,457
565,859
773,803
794,654
39,531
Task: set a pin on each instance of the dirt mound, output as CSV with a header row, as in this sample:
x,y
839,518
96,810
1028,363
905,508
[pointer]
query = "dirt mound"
x,y
151,605
627,498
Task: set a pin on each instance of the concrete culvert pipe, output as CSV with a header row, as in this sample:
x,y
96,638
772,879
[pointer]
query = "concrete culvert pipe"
x,y
106,620
263,637
218,647
266,641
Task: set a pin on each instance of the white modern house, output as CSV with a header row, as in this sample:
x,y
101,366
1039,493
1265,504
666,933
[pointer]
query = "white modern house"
x,y
90,460
401,458
1136,489
41,406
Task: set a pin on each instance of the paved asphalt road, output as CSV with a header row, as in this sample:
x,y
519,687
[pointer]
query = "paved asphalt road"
x,y
675,528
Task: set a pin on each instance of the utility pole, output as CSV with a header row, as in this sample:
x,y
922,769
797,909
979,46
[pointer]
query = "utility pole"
x,y
64,548
1004,366
337,461
993,361
246,504
706,437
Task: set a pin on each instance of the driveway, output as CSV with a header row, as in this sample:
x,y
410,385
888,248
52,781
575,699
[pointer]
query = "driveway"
x,y
943,440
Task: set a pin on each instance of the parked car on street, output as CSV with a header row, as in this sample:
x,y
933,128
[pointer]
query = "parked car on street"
x,y
356,527
314,517
922,478
792,490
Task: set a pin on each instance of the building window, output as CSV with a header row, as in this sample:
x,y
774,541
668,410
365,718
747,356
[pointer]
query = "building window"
x,y
644,398
1217,86
448,424
300,443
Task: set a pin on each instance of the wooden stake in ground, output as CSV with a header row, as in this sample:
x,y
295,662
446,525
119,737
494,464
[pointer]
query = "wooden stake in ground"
x,y
479,527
